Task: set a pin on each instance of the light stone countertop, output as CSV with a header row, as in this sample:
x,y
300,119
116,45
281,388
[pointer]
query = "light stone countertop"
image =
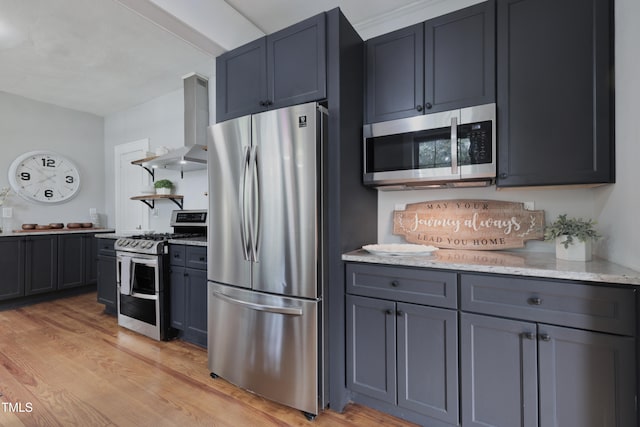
x,y
99,232
532,264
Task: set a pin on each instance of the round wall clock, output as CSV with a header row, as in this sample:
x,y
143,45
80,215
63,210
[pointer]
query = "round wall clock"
x,y
44,177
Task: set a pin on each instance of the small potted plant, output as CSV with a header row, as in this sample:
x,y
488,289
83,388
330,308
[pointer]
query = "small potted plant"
x,y
163,186
573,237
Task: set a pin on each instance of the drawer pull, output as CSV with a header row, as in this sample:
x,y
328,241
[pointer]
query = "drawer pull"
x,y
399,313
202,258
395,283
387,311
545,337
529,335
535,301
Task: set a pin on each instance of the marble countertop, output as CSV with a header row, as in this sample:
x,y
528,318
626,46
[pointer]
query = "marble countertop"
x,y
533,264
19,233
193,241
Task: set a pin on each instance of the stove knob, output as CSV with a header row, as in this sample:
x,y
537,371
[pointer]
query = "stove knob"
x,y
124,242
147,245
134,243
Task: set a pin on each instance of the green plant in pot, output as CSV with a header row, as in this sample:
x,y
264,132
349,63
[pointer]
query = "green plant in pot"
x,y
163,186
573,237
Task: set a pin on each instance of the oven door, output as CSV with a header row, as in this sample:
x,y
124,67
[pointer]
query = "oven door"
x,y
138,278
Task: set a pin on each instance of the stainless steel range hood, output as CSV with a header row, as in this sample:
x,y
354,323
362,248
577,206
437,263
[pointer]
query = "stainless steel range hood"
x,y
193,155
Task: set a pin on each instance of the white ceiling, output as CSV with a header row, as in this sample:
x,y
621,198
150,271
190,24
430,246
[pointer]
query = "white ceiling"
x,y
103,56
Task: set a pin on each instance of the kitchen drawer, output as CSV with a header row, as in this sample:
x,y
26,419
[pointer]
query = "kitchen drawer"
x,y
105,247
177,255
196,257
597,308
413,285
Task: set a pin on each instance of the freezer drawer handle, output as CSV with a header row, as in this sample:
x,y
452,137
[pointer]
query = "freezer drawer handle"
x,y
260,307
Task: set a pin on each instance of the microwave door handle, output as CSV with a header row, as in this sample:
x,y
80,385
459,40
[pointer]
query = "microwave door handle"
x,y
454,145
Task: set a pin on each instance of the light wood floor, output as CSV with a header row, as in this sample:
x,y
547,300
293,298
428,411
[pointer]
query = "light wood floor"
x,y
66,363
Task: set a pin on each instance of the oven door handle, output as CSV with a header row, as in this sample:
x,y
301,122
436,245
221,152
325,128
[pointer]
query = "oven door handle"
x,y
260,307
153,297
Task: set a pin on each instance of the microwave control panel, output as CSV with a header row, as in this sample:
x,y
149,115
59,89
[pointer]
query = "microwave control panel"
x,y
479,137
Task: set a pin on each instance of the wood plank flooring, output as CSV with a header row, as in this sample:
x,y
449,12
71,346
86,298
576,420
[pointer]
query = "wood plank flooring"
x,y
66,363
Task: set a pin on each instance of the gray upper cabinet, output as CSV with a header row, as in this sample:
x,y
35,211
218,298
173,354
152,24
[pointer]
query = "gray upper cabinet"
x,y
441,64
555,92
241,80
395,75
282,69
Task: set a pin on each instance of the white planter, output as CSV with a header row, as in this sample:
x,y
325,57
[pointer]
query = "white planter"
x,y
578,251
163,191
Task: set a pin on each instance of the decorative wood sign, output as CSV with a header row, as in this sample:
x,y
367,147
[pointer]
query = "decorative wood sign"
x,y
469,224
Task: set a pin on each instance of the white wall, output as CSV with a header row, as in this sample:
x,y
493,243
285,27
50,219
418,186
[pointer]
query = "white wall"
x,y
27,125
615,207
161,120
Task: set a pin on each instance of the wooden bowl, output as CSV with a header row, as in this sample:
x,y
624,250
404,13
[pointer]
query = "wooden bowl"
x,y
28,226
43,227
56,225
74,225
86,224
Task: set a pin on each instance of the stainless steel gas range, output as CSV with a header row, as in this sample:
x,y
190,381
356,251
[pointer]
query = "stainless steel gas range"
x,y
143,274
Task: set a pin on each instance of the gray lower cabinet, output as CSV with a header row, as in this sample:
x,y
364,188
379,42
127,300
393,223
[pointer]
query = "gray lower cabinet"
x,y
11,267
77,266
188,292
41,264
107,288
401,353
526,371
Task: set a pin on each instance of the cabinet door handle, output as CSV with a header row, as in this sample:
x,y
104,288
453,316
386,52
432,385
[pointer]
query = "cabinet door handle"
x,y
399,313
503,176
419,107
202,258
428,106
388,311
529,335
545,337
535,301
395,284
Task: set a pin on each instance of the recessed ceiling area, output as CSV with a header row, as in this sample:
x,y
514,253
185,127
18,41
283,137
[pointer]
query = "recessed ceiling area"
x,y
104,56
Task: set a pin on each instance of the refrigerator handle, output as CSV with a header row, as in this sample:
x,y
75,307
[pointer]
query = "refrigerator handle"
x,y
255,205
260,307
242,196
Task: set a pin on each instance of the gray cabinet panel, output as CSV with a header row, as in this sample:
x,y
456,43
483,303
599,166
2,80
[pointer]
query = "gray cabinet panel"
x,y
395,75
195,330
499,385
241,76
107,282
590,307
587,379
296,63
555,92
177,292
460,58
11,267
196,257
418,286
72,259
371,347
427,361
41,264
177,255
90,259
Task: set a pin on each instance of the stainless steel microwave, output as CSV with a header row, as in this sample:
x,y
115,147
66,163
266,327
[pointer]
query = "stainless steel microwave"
x,y
452,148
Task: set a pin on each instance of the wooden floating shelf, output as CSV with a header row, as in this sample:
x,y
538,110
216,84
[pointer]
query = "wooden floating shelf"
x,y
141,161
151,198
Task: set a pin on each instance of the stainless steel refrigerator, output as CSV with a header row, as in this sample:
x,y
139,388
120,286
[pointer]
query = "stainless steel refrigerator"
x,y
265,321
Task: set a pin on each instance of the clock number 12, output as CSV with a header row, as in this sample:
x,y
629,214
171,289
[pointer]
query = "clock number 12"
x,y
49,163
